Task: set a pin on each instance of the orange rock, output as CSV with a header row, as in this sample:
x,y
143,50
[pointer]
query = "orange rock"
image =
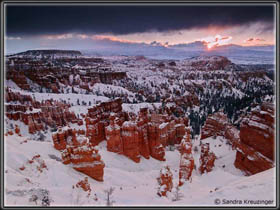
x,y
215,125
180,132
10,132
257,130
113,136
84,185
207,159
81,132
186,161
22,168
157,151
143,140
171,133
250,161
130,139
165,181
85,159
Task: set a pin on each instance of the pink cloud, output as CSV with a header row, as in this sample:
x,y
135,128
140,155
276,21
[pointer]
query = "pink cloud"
x,y
217,40
252,39
59,36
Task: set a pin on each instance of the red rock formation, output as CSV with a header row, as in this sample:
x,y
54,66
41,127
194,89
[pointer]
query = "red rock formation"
x,y
163,134
250,161
157,151
130,139
84,185
31,125
215,125
113,137
142,125
64,137
19,78
95,130
254,142
85,159
255,150
207,159
180,131
17,130
171,132
210,63
186,161
165,181
257,130
49,113
98,117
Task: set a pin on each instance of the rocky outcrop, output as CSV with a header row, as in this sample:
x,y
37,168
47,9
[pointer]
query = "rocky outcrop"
x,y
255,151
257,130
157,151
19,78
38,115
142,125
165,181
85,159
64,137
250,161
113,137
207,159
210,63
83,184
186,160
130,139
95,130
98,118
254,142
215,125
145,136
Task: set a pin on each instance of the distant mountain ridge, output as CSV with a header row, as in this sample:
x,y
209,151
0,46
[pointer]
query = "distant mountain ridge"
x,y
49,52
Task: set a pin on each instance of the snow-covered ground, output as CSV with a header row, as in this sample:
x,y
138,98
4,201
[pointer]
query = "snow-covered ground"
x,y
134,183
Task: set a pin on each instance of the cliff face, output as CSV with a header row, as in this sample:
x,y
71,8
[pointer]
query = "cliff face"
x,y
210,63
85,159
257,130
130,139
113,137
256,150
38,115
215,125
145,135
254,142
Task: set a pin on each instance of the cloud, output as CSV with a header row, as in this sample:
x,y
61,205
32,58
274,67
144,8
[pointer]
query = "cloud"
x,y
254,40
12,38
217,40
60,36
155,43
119,20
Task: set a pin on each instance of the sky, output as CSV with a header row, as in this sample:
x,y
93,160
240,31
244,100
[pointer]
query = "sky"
x,y
105,27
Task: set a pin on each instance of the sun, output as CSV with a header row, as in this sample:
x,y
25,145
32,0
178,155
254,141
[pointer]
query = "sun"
x,y
215,41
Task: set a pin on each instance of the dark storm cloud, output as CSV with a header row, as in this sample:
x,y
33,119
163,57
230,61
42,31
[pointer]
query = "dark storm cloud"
x,y
36,20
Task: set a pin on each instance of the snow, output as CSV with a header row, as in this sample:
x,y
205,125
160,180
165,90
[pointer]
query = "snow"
x,y
258,125
11,84
135,183
135,108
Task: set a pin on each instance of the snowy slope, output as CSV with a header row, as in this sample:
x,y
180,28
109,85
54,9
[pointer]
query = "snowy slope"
x,y
135,184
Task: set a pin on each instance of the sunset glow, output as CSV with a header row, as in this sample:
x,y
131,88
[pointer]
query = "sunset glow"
x,y
217,40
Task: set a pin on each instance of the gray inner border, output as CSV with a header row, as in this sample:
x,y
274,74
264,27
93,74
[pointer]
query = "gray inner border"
x,y
137,3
